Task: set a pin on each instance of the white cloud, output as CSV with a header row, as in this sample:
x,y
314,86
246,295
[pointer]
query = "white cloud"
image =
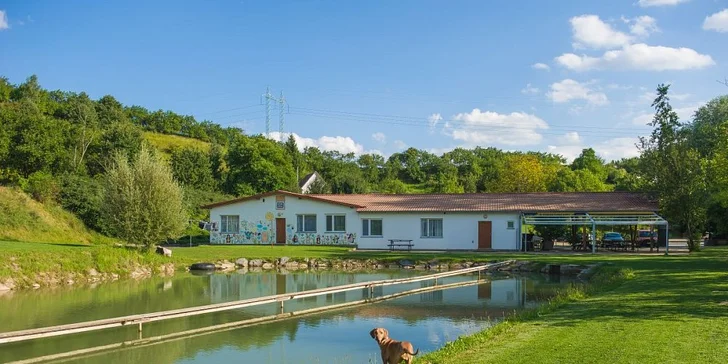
x,y
649,3
569,89
642,26
541,66
4,20
380,137
529,90
400,145
685,113
571,137
617,148
591,32
479,128
327,143
717,22
639,56
611,149
433,119
569,152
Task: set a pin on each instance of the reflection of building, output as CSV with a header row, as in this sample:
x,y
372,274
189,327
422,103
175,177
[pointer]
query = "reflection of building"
x,y
498,294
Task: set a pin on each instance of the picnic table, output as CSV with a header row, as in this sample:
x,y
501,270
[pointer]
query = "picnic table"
x,y
400,243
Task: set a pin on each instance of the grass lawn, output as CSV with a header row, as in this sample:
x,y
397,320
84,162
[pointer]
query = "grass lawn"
x,y
672,310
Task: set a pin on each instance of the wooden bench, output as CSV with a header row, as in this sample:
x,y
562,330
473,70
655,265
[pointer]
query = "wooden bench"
x,y
400,243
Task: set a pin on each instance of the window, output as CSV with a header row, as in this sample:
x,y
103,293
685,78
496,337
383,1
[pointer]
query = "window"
x,y
511,225
335,223
229,224
371,227
306,223
431,228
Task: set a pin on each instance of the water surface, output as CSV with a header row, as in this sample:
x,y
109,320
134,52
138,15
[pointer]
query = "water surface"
x,y
429,319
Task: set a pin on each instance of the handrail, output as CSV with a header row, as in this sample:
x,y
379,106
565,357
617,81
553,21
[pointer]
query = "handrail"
x,y
29,334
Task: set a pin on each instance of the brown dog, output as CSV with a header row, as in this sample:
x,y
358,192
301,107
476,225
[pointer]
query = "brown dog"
x,y
393,352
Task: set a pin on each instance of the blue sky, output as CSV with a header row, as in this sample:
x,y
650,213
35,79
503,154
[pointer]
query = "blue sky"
x,y
380,76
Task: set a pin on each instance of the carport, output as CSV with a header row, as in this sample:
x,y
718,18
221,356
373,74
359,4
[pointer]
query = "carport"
x,y
594,219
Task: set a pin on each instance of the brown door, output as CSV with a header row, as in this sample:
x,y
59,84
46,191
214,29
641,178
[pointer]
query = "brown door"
x,y
280,231
485,229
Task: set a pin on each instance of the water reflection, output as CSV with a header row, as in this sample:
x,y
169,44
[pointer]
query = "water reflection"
x,y
429,319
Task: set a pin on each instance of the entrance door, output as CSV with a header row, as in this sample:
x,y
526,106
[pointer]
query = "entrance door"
x,y
485,229
280,231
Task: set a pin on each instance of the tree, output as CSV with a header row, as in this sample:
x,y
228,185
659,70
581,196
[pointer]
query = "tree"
x,y
521,173
85,127
191,167
258,164
142,203
675,171
296,157
588,160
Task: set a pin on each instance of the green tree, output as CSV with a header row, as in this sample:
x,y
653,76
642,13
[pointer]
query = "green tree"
x,y
319,186
296,157
191,167
588,160
258,164
675,171
521,173
142,203
85,128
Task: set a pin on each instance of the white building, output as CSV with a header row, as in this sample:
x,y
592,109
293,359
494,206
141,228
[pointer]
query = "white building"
x,y
430,221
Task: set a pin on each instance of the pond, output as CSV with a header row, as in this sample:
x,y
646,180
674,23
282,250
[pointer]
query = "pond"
x,y
428,320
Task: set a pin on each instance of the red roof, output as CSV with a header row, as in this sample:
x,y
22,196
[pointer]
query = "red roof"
x,y
483,202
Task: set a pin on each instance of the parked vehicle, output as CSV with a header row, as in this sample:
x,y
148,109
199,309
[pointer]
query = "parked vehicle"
x,y
612,239
644,237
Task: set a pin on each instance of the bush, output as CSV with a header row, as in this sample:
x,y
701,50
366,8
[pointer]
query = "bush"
x,y
82,196
42,187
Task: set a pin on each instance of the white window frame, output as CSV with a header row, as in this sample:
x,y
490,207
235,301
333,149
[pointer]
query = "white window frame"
x,y
511,225
302,229
333,217
368,232
225,224
428,235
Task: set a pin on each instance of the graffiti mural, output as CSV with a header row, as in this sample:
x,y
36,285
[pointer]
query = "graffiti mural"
x,y
263,232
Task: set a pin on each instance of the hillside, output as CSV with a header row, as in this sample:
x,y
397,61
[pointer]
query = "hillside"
x,y
167,142
24,219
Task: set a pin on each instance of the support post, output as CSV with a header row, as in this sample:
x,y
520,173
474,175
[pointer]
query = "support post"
x,y
140,327
281,307
594,238
667,238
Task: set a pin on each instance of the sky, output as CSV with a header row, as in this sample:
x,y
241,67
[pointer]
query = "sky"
x,y
381,76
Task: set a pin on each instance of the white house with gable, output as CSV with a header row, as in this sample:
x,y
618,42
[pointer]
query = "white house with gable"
x,y
427,221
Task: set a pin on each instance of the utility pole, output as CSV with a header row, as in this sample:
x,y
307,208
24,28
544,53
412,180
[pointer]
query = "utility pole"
x,y
267,96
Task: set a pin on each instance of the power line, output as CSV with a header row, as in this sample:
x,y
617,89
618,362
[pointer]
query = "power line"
x,y
344,118
226,110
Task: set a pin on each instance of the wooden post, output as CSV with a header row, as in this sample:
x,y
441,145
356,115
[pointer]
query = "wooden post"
x,y
281,307
140,327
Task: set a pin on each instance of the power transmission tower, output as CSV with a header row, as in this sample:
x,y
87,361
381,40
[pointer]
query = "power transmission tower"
x,y
281,108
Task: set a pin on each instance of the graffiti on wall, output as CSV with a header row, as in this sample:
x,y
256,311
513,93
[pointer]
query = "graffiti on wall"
x,y
263,232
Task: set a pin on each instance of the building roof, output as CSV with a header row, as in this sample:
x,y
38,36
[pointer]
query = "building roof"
x,y
483,202
305,179
279,192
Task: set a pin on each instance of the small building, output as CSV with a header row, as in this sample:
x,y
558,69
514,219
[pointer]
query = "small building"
x,y
488,221
305,183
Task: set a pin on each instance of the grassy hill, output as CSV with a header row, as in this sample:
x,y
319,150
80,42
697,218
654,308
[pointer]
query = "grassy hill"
x,y
166,142
24,219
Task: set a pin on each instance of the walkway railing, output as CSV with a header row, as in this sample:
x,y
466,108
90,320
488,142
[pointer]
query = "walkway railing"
x,y
44,332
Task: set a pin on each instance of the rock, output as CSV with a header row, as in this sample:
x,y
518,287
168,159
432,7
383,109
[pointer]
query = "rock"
x,y
393,266
242,262
243,270
225,266
70,282
7,285
292,265
114,277
420,267
255,263
93,272
405,263
322,265
164,251
267,266
283,260
36,285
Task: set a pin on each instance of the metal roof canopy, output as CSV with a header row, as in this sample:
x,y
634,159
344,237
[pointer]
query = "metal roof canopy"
x,y
594,219
586,218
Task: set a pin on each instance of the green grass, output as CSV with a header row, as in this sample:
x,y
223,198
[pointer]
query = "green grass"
x,y
166,142
666,310
24,219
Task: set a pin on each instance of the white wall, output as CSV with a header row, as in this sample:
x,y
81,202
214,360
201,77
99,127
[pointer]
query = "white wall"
x,y
257,222
459,230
